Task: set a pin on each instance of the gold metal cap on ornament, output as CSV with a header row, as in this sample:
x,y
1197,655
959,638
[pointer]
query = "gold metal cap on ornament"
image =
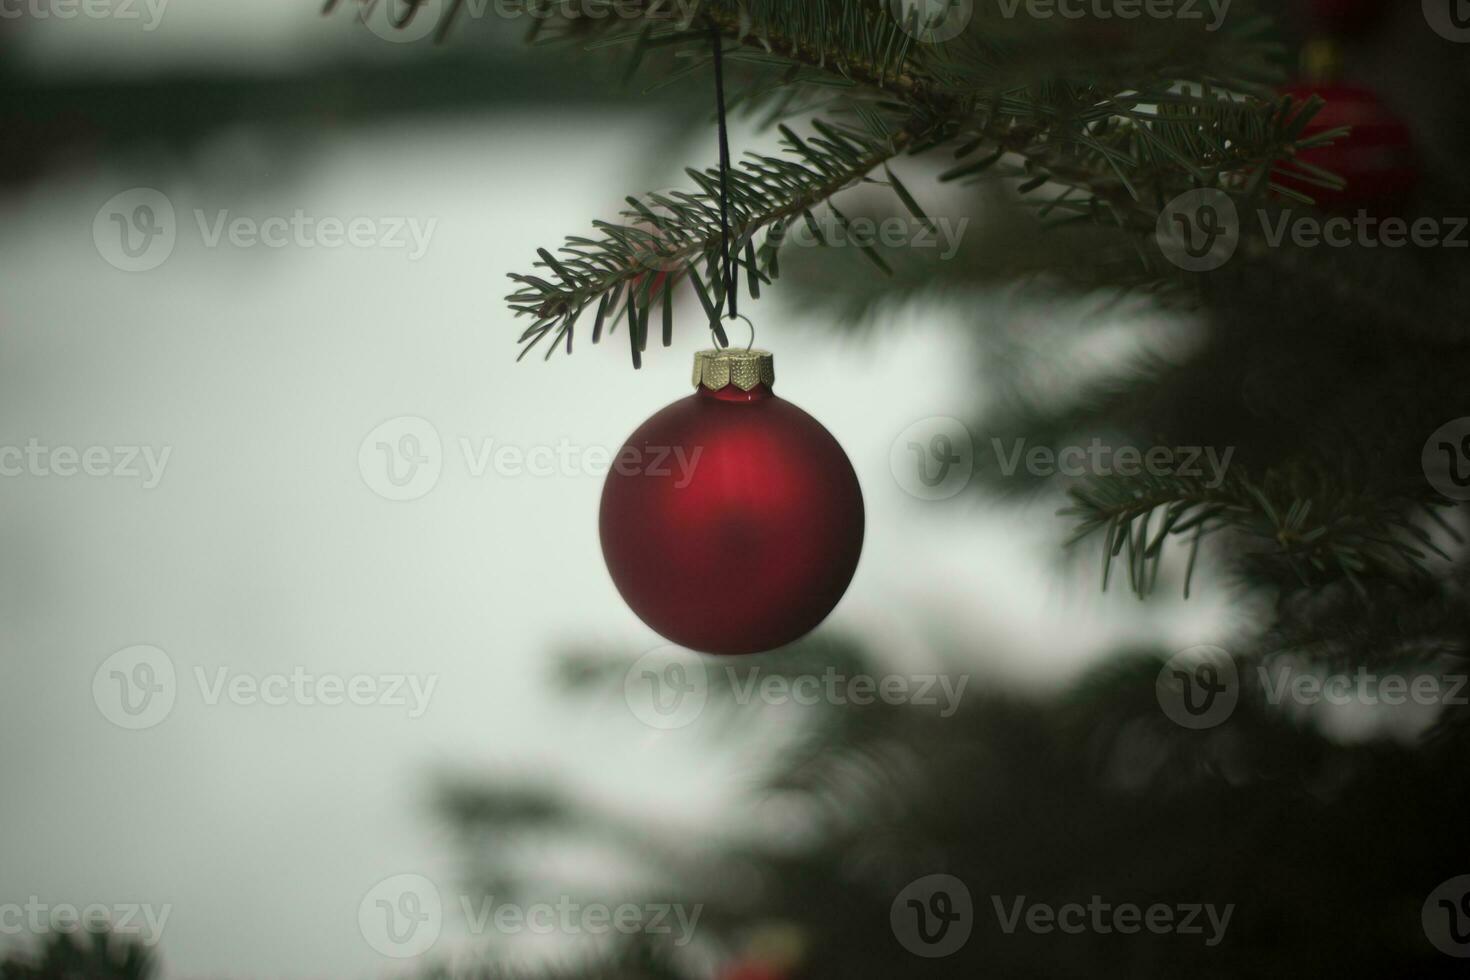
x,y
1321,61
716,369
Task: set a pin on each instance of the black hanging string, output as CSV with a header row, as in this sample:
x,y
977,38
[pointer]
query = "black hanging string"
x,y
729,263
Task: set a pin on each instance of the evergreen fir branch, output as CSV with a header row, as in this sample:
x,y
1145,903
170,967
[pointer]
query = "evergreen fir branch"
x,y
1102,133
1130,156
1107,134
1314,532
857,41
1112,164
669,237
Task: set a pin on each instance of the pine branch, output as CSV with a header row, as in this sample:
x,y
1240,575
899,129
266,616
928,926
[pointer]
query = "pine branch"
x,y
1110,152
1106,133
1315,531
637,264
873,49
859,42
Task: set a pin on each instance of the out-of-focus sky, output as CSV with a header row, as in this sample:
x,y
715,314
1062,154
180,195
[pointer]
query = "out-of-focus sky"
x,y
150,37
265,546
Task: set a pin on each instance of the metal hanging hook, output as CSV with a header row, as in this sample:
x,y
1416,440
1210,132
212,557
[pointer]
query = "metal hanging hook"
x,y
739,316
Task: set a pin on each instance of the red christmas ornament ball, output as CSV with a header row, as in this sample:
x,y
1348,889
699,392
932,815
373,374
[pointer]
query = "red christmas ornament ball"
x,y
731,521
1377,159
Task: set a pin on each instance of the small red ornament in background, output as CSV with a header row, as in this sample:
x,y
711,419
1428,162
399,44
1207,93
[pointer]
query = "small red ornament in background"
x,y
1377,159
732,521
773,952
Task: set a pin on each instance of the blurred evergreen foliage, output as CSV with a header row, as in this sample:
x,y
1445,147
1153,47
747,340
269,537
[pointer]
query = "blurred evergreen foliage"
x,y
1327,850
94,956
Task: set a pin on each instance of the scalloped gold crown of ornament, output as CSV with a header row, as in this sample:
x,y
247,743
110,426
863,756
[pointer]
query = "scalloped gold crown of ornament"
x,y
716,369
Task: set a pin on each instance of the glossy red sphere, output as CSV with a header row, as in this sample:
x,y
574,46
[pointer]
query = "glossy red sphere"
x,y
731,521
1377,159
